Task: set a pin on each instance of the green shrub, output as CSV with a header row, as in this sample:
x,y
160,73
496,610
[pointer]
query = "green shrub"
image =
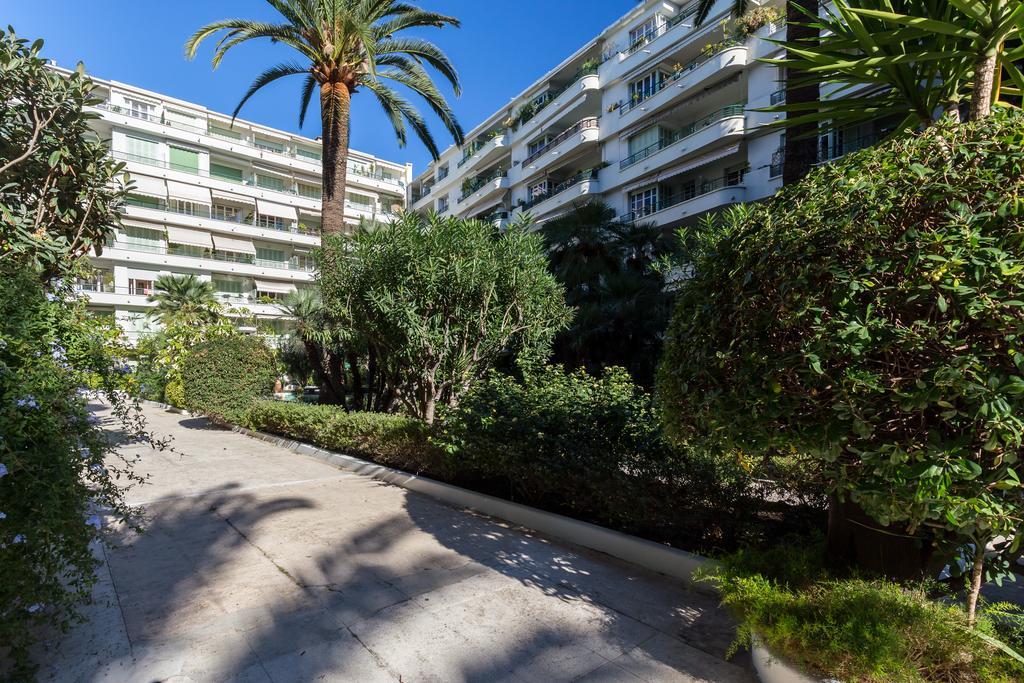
x,y
870,317
592,448
222,377
856,630
392,440
174,393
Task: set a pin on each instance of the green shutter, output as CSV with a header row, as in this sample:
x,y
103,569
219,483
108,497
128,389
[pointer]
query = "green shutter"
x,y
233,175
264,254
270,182
184,160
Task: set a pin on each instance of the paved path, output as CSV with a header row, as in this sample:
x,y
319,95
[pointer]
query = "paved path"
x,y
261,565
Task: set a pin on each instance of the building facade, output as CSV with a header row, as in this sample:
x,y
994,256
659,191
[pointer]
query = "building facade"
x,y
238,205
655,116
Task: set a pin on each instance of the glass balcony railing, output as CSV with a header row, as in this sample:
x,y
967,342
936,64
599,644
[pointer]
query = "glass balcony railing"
x,y
639,98
250,219
585,124
691,192
302,155
685,132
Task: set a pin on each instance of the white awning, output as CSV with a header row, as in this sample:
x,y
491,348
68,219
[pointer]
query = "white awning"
x,y
238,198
234,244
137,274
149,187
192,193
266,208
275,287
192,238
683,168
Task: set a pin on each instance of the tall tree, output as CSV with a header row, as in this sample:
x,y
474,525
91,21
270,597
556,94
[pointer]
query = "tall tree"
x,y
346,45
184,298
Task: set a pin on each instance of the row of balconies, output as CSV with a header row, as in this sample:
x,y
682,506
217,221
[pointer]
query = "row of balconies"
x,y
204,254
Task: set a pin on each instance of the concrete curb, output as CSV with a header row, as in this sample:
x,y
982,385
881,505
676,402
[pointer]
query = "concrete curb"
x,y
654,556
770,668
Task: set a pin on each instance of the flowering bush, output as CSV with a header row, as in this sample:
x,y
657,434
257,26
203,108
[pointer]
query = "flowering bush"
x,y
60,481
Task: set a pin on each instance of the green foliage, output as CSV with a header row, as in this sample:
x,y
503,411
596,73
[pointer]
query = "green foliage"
x,y
870,319
174,393
185,300
592,447
161,355
59,189
60,479
392,440
439,300
853,629
610,269
223,377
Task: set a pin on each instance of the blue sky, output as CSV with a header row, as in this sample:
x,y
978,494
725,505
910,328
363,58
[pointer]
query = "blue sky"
x,y
500,49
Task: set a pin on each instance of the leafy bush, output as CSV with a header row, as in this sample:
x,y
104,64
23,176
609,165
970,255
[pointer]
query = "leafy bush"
x,y
174,393
592,448
870,317
222,377
392,440
853,629
438,301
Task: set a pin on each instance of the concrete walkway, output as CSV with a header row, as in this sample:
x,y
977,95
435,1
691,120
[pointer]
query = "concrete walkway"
x,y
261,565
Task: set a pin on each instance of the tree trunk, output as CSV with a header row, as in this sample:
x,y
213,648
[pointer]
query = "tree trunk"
x,y
858,541
977,571
801,147
334,111
357,382
984,80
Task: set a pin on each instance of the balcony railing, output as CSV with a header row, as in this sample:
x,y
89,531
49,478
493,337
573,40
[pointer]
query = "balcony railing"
x,y
684,132
659,31
262,147
478,182
559,188
208,255
551,95
200,211
636,100
685,195
777,97
585,124
476,145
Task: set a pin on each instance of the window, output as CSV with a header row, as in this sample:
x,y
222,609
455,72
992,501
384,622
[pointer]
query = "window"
x,y
645,87
187,207
141,110
270,146
270,223
643,202
361,200
226,133
442,204
442,173
144,202
142,239
269,182
184,159
311,191
641,141
228,286
538,189
224,213
734,175
537,145
645,31
222,172
302,261
140,287
188,250
308,153
270,255
141,149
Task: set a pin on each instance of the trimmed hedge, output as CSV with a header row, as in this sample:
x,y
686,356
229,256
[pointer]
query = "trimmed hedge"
x,y
392,440
223,377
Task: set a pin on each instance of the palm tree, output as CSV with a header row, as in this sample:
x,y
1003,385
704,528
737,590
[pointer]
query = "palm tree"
x,y
312,328
184,298
346,45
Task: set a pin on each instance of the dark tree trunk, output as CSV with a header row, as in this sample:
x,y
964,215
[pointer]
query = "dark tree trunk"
x,y
801,150
334,108
856,540
357,382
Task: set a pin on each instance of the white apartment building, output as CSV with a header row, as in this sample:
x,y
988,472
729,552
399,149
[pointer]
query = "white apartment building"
x,y
654,116
238,205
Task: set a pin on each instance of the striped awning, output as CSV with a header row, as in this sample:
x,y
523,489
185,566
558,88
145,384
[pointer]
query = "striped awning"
x,y
234,244
192,238
266,208
192,193
275,287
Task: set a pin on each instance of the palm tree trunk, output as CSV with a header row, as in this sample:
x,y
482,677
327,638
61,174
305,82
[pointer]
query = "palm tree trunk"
x,y
801,150
335,100
984,80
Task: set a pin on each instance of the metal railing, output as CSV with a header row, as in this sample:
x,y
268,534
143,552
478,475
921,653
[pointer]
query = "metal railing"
x,y
209,255
200,211
552,95
685,132
476,145
691,192
649,36
585,124
478,182
262,147
777,97
629,104
559,188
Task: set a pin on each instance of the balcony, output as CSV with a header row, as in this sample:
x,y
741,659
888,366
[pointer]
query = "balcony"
x,y
724,126
576,136
729,58
562,101
707,196
568,190
253,145
483,151
199,211
484,187
157,254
